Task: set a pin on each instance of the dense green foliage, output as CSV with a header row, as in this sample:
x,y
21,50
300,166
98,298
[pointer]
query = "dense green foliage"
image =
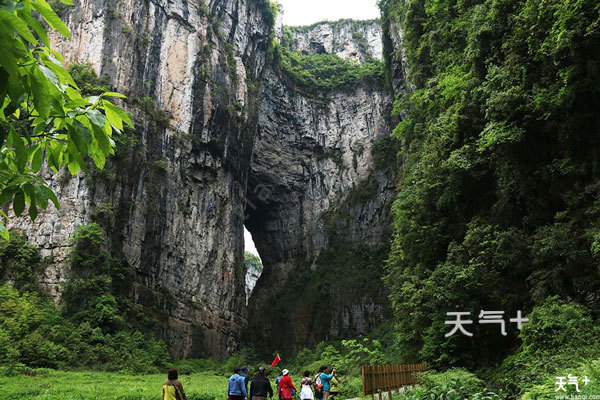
x,y
454,384
561,337
88,81
324,72
499,197
43,114
20,263
97,325
253,260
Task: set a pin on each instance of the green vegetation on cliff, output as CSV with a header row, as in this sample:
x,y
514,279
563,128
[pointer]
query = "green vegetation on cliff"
x,y
324,72
44,115
253,260
499,197
96,326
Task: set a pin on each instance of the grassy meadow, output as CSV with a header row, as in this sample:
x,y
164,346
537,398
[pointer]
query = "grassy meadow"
x,y
60,385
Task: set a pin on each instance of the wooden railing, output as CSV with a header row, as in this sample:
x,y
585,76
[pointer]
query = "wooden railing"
x,y
385,378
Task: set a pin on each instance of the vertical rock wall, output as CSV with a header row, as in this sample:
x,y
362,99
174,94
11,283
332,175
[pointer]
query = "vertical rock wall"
x,y
223,140
172,199
318,205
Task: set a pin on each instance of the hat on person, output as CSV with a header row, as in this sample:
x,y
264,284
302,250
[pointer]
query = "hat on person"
x,y
285,372
244,368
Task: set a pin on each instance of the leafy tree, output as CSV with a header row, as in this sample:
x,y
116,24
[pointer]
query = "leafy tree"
x,y
98,285
43,115
253,260
20,263
498,197
324,72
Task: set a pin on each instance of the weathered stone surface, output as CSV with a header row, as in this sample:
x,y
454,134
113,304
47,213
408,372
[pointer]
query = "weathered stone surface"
x,y
349,39
252,275
243,145
310,152
173,203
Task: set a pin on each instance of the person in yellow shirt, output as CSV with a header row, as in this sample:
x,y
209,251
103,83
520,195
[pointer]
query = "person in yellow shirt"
x,y
334,388
173,389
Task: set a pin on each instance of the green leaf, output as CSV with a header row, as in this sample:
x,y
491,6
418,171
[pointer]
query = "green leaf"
x,y
117,115
18,25
48,194
19,203
76,103
33,211
48,73
10,6
75,163
20,151
41,197
51,158
96,117
50,16
36,159
8,61
7,194
3,231
52,63
99,159
114,94
103,141
41,95
35,24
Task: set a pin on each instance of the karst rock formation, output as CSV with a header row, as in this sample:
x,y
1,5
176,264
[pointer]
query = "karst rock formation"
x,y
225,139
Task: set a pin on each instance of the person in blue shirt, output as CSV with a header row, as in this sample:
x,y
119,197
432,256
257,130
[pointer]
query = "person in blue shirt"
x,y
325,380
244,374
277,381
236,390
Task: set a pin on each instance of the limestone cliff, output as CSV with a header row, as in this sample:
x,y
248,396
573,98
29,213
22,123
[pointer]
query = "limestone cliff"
x,y
224,138
172,200
348,39
320,219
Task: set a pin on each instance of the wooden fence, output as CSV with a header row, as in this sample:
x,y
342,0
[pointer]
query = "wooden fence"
x,y
385,378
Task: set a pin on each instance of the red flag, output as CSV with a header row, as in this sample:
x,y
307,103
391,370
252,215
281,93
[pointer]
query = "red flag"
x,y
275,361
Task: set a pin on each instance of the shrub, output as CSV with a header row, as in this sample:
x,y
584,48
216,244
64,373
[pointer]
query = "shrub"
x,y
20,263
87,80
98,327
559,337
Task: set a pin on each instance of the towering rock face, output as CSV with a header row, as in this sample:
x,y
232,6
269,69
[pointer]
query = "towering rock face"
x,y
223,139
318,205
172,199
349,39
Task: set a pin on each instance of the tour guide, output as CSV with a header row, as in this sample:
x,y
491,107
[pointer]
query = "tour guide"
x,y
236,389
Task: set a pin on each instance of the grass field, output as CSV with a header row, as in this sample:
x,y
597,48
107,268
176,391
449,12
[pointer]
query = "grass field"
x,y
59,385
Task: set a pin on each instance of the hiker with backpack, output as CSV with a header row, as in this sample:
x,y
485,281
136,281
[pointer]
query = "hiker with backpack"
x,y
277,382
318,386
236,389
325,378
286,387
306,384
173,389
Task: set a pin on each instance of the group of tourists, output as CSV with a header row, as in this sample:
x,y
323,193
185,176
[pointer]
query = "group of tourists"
x,y
323,386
